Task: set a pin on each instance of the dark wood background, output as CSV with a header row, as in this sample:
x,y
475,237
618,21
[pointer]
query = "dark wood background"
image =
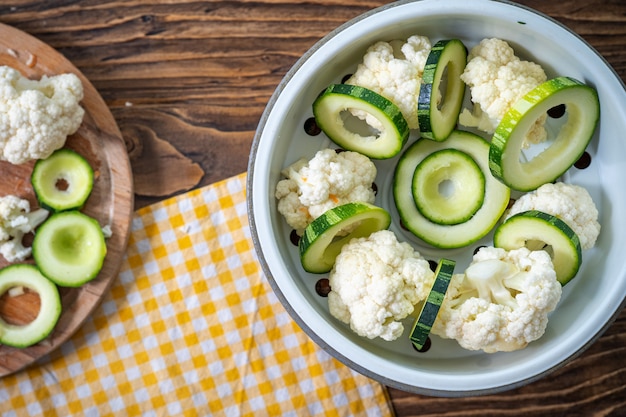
x,y
187,82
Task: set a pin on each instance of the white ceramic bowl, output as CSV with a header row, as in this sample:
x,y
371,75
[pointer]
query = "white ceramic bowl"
x,y
589,303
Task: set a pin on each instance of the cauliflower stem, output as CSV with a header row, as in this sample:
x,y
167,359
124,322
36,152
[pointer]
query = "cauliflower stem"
x,y
501,302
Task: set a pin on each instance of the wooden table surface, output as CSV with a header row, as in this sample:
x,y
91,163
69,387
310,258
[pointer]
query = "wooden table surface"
x,y
187,82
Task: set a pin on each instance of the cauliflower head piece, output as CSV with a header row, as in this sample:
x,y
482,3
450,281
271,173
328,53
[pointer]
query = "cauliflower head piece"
x,y
376,282
16,220
569,202
394,70
36,116
501,302
328,180
497,78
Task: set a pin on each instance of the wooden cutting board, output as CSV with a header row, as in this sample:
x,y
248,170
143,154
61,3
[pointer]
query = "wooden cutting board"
x,y
100,141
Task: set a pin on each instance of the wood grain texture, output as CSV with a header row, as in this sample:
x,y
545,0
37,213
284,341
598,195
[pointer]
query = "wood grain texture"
x,y
198,74
195,74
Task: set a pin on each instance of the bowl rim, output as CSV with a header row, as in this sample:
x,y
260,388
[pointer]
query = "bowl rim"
x,y
265,265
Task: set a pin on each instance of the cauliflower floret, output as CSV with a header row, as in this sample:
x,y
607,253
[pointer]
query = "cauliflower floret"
x,y
328,180
394,70
497,79
37,116
570,203
501,302
376,282
16,220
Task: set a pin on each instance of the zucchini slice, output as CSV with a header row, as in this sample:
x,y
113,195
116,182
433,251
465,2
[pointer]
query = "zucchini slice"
x,y
63,181
448,187
537,230
26,275
495,201
430,308
332,113
325,236
437,115
583,112
69,248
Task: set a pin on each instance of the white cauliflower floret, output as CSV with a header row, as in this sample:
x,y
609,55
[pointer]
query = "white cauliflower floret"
x,y
328,180
394,70
501,302
37,116
570,203
497,79
16,220
376,282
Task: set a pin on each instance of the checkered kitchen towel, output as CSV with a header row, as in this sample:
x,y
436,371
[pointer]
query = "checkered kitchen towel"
x,y
191,327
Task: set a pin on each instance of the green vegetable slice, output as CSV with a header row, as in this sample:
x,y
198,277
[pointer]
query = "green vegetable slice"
x,y
63,181
448,187
480,224
26,275
537,230
583,112
437,115
69,248
325,236
332,113
430,308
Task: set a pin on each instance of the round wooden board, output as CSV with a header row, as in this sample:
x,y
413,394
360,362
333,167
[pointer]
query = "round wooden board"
x,y
100,141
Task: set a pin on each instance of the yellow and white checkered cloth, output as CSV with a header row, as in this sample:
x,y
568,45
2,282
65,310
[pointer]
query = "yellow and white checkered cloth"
x,y
191,327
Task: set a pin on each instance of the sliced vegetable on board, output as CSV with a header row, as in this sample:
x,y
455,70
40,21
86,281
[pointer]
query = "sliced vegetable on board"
x,y
28,276
63,181
69,248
